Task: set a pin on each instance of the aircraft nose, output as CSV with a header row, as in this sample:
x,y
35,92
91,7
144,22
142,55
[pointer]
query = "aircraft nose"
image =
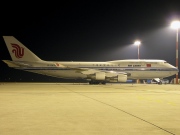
x,y
176,70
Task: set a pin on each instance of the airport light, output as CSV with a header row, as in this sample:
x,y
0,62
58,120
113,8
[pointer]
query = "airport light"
x,y
176,25
138,44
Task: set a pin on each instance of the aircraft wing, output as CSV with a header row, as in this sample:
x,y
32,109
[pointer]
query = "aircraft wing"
x,y
89,71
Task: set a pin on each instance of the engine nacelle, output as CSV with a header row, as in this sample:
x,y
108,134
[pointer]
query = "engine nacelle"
x,y
98,76
118,78
122,78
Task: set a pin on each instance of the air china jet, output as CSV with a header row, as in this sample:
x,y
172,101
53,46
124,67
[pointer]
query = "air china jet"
x,y
93,72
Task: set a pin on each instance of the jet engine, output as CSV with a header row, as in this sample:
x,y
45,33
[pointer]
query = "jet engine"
x,y
118,78
101,76
98,76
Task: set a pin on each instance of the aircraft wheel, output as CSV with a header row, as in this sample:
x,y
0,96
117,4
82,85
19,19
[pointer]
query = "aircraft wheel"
x,y
160,83
103,83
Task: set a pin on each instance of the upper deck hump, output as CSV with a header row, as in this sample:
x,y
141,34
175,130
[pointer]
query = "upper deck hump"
x,y
136,60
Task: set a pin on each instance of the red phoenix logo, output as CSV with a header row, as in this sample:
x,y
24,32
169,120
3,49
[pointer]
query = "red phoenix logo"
x,y
18,51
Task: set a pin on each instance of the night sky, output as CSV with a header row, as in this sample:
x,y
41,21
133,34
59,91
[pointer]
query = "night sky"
x,y
88,31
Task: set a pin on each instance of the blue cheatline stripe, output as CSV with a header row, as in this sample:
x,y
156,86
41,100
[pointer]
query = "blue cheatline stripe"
x,y
103,69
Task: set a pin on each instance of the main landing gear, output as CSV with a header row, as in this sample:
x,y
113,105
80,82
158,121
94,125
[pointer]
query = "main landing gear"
x,y
97,82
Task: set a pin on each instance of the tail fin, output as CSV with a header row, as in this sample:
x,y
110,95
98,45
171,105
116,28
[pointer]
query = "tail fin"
x,y
18,51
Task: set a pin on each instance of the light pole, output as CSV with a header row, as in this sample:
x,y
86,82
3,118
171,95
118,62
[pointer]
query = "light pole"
x,y
176,25
138,44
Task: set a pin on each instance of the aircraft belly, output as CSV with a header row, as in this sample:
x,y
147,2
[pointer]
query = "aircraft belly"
x,y
73,74
60,73
148,74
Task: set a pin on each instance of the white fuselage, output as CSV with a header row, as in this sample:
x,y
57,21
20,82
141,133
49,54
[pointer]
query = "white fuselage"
x,y
135,69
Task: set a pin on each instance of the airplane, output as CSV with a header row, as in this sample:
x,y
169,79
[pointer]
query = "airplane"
x,y
94,72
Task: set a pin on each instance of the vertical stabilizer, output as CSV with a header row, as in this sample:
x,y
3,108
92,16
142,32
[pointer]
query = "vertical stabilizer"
x,y
18,51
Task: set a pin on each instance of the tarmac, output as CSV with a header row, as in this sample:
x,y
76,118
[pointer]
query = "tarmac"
x,y
82,109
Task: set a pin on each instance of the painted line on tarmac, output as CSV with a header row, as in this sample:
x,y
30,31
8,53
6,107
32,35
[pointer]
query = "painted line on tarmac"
x,y
120,110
